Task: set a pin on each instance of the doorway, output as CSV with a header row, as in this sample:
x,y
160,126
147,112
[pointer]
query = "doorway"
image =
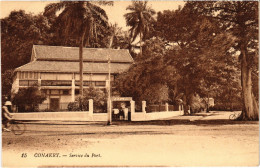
x,y
121,108
55,104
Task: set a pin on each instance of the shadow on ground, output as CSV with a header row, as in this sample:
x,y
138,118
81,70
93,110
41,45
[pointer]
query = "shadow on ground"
x,y
112,133
154,122
185,122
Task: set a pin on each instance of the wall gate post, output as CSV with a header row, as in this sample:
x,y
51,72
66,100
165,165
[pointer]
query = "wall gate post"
x,y
167,107
90,109
143,106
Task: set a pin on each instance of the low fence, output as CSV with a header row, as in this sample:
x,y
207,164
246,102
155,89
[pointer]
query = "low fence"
x,y
160,108
46,106
90,116
156,112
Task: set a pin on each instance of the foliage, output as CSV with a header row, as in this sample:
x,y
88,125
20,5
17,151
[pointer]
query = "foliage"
x,y
99,98
123,40
147,75
81,104
156,94
198,50
7,80
197,104
74,106
99,101
139,20
240,18
28,99
19,31
79,21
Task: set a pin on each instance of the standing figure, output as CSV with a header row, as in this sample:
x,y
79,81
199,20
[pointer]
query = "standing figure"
x,y
6,115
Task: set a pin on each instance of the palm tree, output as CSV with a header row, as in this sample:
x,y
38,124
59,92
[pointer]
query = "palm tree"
x,y
114,31
79,19
138,19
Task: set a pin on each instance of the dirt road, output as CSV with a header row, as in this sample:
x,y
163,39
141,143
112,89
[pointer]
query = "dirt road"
x,y
157,143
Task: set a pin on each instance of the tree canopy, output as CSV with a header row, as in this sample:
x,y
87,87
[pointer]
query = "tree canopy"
x,y
19,31
198,49
147,76
139,19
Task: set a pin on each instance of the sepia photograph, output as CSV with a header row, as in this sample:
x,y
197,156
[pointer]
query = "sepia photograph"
x,y
94,83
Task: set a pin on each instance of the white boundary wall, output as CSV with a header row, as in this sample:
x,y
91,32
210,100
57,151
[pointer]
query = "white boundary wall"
x,y
143,116
62,116
90,116
86,116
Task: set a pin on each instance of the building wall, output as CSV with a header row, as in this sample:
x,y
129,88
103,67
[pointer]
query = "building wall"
x,y
52,89
65,98
94,77
56,76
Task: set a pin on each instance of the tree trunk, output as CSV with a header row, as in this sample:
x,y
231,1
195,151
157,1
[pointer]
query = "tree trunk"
x,y
141,38
250,107
81,66
207,110
185,105
187,102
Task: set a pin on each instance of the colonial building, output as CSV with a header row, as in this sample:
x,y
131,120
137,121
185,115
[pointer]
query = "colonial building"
x,y
55,69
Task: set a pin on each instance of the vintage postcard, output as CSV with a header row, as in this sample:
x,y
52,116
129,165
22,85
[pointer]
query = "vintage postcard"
x,y
130,83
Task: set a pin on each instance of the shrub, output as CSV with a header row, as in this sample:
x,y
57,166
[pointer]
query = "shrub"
x,y
197,104
28,99
99,99
73,106
81,103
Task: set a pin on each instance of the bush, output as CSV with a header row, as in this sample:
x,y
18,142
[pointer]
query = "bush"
x,y
28,99
99,101
73,106
198,104
226,107
81,104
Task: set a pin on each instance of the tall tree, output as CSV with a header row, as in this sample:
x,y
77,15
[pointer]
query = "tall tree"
x,y
241,19
19,31
139,20
80,19
198,49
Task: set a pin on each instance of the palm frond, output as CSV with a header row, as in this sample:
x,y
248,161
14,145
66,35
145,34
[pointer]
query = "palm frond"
x,y
99,14
139,18
54,7
109,3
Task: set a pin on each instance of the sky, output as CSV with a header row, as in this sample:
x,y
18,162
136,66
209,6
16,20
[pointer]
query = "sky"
x,y
115,13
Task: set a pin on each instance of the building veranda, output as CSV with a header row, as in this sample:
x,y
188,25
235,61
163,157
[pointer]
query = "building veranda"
x,y
55,70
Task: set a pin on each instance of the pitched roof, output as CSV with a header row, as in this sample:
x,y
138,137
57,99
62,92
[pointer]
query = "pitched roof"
x,y
41,52
65,66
